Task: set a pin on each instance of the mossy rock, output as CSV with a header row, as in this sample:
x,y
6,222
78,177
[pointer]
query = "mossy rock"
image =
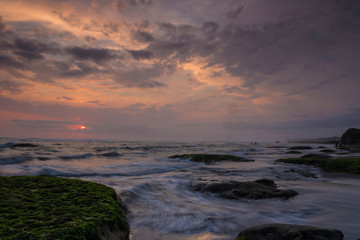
x,y
342,165
211,158
45,207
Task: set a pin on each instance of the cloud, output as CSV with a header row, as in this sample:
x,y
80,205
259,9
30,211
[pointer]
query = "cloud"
x,y
97,55
42,123
68,69
209,29
66,98
29,55
7,61
30,49
12,87
141,78
3,25
141,54
142,36
98,103
233,14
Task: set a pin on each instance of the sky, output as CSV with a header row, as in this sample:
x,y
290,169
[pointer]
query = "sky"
x,y
207,70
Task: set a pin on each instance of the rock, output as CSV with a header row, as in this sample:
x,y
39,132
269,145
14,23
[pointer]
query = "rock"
x,y
316,155
289,231
344,165
111,154
260,189
24,145
211,158
327,151
351,137
300,148
44,207
293,152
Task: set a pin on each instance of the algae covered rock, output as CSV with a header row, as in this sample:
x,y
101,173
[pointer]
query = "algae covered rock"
x,y
211,158
46,207
259,189
342,165
289,231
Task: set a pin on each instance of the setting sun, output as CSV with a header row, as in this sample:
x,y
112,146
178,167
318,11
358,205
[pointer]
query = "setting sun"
x,y
82,127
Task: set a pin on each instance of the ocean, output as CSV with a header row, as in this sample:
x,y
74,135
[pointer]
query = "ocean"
x,y
156,189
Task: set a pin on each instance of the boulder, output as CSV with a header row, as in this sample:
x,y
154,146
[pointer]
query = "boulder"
x,y
300,148
289,231
260,189
316,155
351,137
44,207
211,158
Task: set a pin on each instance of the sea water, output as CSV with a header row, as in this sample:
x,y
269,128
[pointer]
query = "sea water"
x,y
156,189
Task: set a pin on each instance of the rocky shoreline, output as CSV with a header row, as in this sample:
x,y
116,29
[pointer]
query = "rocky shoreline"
x,y
109,221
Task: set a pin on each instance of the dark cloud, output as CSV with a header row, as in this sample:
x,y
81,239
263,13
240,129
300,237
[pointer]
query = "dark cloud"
x,y
66,69
141,2
141,54
10,86
111,27
10,62
31,49
141,78
143,37
121,4
97,55
233,14
29,55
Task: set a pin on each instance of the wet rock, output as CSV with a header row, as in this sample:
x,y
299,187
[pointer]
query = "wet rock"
x,y
351,137
111,154
211,158
260,189
293,152
327,151
316,155
24,145
300,148
289,231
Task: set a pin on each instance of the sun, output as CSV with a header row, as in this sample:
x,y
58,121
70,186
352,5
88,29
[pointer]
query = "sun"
x,y
82,127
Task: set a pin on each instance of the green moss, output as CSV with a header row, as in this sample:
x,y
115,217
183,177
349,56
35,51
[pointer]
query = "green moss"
x,y
57,208
343,165
211,158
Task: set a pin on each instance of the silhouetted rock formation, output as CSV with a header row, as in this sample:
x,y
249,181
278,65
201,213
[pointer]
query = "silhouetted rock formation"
x,y
351,137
